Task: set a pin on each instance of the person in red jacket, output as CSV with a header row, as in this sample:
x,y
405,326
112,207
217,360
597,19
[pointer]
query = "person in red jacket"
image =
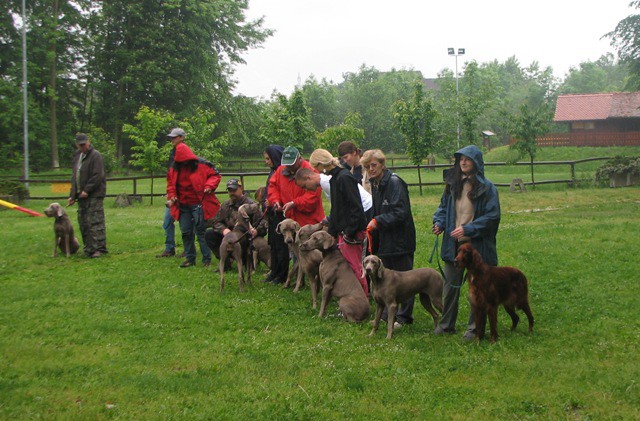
x,y
191,183
303,206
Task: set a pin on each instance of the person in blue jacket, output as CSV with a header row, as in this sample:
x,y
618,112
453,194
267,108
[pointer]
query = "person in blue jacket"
x,y
469,211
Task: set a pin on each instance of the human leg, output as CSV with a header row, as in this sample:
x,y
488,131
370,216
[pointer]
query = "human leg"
x,y
200,228
352,253
451,296
169,232
85,227
213,240
98,226
187,231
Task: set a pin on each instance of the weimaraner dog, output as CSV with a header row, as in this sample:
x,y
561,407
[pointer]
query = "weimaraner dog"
x,y
309,261
259,249
289,230
391,287
338,279
63,231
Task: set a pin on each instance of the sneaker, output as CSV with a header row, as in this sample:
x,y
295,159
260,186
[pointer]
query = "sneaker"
x,y
96,255
440,331
206,264
397,326
469,335
167,253
187,264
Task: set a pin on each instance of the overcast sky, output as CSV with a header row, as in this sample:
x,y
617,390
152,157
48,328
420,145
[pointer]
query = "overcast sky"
x,y
327,38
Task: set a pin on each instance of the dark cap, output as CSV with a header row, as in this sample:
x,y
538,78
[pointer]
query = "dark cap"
x,y
290,155
233,184
81,138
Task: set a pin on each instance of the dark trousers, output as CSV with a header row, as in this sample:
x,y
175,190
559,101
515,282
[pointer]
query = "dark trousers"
x,y
279,249
405,309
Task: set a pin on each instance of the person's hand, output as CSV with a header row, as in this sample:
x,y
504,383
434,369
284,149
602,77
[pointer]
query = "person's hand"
x,y
372,226
436,230
253,232
458,233
208,191
226,231
277,207
287,206
83,195
70,201
171,201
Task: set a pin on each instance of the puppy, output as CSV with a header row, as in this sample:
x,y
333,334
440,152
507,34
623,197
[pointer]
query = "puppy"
x,y
309,261
289,230
338,279
392,287
63,231
492,286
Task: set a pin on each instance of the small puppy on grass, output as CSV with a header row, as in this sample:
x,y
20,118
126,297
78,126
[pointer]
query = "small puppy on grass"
x,y
63,231
492,286
391,287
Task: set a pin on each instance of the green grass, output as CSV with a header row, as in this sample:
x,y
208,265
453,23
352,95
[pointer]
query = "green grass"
x,y
130,336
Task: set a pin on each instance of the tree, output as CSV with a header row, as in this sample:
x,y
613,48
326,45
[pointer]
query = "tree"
x,y
526,127
349,130
415,120
175,55
201,129
288,122
602,75
147,155
626,39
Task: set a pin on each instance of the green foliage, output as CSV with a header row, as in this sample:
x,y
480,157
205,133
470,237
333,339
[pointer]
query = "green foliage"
x,y
15,189
415,120
618,165
349,130
105,144
526,126
626,39
603,75
152,124
288,122
201,135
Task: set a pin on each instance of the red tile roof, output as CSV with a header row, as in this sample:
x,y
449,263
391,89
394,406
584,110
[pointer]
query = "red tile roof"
x,y
597,106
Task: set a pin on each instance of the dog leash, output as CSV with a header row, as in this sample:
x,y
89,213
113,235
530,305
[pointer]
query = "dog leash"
x,y
434,252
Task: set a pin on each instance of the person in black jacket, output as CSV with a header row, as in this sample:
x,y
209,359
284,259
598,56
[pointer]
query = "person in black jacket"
x,y
392,225
279,251
88,188
347,221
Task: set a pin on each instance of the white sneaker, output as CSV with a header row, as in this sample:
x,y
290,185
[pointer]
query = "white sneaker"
x,y
397,325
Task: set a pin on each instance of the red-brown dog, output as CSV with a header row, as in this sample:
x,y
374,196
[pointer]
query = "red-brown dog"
x,y
492,286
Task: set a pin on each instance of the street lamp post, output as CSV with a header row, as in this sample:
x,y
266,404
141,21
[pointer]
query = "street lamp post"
x,y
452,52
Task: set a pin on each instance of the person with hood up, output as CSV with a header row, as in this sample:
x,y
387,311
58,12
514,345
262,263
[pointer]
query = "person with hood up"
x,y
191,184
469,211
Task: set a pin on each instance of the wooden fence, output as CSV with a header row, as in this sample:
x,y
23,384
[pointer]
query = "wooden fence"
x,y
588,139
62,185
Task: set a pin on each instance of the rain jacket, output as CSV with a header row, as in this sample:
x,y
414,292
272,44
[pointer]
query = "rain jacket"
x,y
204,177
392,212
308,204
484,227
92,177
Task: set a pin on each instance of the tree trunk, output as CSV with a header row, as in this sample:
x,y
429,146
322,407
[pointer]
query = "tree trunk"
x,y
533,181
53,77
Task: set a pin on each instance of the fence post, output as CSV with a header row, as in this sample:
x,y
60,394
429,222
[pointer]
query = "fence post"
x,y
420,179
573,171
135,186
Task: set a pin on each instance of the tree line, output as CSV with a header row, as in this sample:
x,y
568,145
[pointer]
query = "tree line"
x,y
126,72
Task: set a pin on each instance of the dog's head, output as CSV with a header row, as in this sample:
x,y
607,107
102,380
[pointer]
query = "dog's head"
x,y
320,240
261,194
54,210
305,232
248,211
373,267
288,228
464,258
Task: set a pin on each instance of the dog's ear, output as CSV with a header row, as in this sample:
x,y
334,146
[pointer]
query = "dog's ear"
x,y
327,241
278,228
296,227
58,208
380,268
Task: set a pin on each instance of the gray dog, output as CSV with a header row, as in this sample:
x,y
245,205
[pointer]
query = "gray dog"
x,y
338,279
391,287
63,230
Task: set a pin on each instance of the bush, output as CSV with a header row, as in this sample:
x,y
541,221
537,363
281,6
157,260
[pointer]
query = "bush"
x,y
616,166
15,189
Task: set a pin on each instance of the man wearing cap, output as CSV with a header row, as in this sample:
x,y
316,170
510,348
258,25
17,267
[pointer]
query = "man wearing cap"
x,y
226,218
88,188
303,206
175,136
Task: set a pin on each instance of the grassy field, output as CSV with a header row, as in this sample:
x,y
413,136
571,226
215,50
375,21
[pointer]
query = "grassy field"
x,y
130,336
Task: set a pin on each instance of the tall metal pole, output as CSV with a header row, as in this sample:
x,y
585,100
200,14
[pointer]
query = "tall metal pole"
x,y
457,106
25,115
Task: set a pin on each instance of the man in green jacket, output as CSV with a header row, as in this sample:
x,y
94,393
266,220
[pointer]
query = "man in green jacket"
x,y
88,188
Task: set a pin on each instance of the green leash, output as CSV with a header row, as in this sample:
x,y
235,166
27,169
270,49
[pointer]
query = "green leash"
x,y
434,252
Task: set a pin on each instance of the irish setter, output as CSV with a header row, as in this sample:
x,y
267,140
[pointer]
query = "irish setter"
x,y
492,286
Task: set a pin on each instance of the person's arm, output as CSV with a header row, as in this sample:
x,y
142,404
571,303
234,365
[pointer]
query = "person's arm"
x,y
487,222
96,174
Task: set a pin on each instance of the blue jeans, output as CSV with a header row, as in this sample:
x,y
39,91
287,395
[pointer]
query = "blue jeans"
x,y
169,231
192,219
